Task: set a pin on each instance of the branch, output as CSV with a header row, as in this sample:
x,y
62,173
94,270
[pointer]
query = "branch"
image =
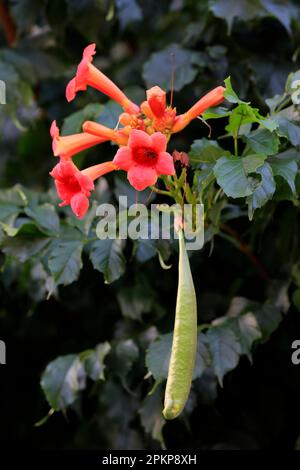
x,y
7,23
245,248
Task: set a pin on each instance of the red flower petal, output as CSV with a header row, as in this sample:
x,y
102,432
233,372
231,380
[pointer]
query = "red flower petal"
x,y
89,51
159,142
54,130
71,90
123,158
156,98
140,177
79,205
139,138
165,164
85,182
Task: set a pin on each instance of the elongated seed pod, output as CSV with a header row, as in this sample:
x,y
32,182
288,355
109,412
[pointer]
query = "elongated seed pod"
x,y
184,346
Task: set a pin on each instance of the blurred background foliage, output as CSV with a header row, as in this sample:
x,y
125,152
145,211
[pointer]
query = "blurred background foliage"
x,y
107,334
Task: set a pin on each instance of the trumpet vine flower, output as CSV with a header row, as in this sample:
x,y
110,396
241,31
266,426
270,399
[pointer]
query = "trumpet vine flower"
x,y
142,138
144,158
74,186
88,74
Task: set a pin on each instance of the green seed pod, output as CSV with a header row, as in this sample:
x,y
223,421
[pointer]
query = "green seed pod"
x,y
184,346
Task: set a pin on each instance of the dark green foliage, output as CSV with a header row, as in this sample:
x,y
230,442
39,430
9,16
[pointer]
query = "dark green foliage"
x,y
100,345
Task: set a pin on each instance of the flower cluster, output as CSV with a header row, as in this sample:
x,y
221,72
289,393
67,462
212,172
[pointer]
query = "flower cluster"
x,y
142,139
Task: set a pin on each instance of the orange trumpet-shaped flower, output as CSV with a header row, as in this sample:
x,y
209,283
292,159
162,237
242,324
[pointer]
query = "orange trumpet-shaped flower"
x,y
88,74
156,98
213,98
120,137
67,146
74,186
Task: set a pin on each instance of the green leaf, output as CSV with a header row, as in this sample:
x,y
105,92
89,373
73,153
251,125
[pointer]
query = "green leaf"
x,y
248,332
216,113
11,203
61,381
110,114
151,416
203,178
262,141
134,301
264,191
65,260
94,361
73,123
158,356
244,114
282,11
24,247
229,10
268,317
125,355
231,176
158,69
229,93
284,165
205,151
252,162
45,216
288,129
225,350
107,257
203,358
128,12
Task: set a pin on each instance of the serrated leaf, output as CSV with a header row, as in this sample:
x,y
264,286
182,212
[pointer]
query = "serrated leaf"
x,y
262,141
282,11
225,350
205,151
268,317
65,261
252,162
107,257
61,381
229,93
229,10
158,356
285,166
11,203
124,356
134,301
232,178
158,69
264,191
94,361
249,332
244,115
289,129
45,216
151,415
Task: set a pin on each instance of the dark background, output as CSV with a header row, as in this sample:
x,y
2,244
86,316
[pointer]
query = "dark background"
x,y
257,43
